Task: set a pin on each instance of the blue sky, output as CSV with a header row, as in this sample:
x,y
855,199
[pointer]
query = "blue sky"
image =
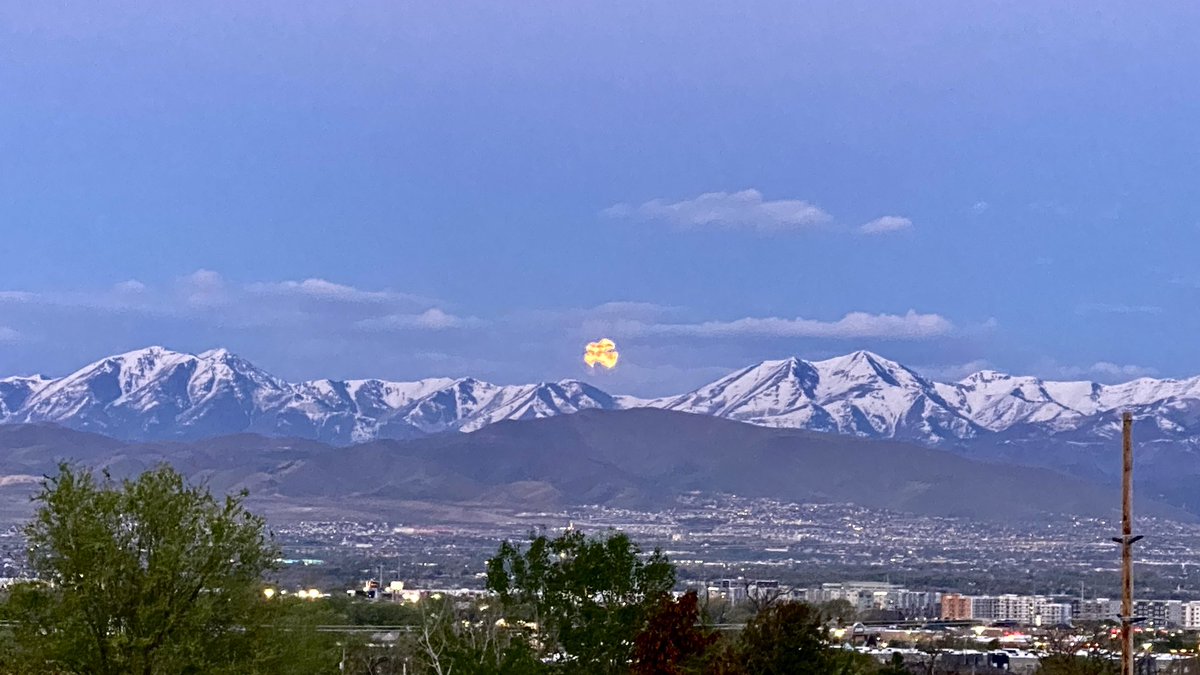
x,y
410,189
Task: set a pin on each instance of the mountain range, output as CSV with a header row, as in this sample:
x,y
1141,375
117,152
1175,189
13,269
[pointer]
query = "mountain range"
x,y
157,394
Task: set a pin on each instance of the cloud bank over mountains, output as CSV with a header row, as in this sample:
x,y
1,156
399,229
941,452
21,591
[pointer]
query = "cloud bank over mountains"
x,y
306,327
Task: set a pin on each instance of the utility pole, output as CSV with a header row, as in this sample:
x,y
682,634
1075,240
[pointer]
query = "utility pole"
x,y
1127,540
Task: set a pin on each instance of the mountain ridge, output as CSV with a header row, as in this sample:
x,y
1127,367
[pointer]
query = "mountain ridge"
x,y
156,394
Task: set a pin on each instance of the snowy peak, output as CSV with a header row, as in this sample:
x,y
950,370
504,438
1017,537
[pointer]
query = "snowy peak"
x,y
771,387
141,393
845,374
14,391
860,393
157,393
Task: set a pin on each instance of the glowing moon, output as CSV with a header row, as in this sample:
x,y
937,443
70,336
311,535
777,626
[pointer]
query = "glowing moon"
x,y
602,352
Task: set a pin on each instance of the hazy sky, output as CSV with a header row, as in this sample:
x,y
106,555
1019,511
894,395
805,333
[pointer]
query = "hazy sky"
x,y
406,189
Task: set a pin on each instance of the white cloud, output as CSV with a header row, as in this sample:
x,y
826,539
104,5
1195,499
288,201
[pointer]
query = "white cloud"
x,y
322,289
430,319
203,288
1105,370
205,295
886,224
731,210
9,334
954,372
1117,370
1106,308
909,326
980,207
628,307
130,287
17,296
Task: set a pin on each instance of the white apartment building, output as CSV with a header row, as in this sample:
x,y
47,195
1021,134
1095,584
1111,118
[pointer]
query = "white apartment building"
x,y
1191,615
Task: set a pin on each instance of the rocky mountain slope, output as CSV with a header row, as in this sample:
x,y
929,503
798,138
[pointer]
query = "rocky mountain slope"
x,y
155,393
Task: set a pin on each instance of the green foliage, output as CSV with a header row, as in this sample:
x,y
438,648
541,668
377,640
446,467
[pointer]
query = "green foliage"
x,y
718,610
786,639
463,638
1070,664
359,612
839,611
588,598
140,576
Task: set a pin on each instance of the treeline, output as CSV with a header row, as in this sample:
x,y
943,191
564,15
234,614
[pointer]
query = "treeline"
x,y
153,575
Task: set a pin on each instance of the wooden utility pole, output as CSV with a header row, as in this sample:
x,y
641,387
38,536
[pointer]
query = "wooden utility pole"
x,y
1127,540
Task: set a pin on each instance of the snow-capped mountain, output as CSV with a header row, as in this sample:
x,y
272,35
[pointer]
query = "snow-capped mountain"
x,y
865,394
156,393
861,393
14,391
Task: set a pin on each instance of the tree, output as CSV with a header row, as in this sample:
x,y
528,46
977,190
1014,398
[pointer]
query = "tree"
x,y
786,639
471,639
149,575
895,666
672,640
587,597
1070,664
1066,655
840,611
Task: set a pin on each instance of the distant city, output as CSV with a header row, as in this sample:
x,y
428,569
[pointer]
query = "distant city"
x,y
910,567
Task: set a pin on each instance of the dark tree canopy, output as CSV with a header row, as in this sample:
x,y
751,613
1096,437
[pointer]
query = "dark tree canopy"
x,y
588,597
673,641
786,639
147,575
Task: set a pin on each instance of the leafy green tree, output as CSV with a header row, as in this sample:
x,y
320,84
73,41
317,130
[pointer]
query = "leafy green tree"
x,y
360,612
149,575
472,639
840,611
587,597
787,638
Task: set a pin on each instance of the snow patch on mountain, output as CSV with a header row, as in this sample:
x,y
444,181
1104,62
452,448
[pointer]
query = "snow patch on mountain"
x,y
156,393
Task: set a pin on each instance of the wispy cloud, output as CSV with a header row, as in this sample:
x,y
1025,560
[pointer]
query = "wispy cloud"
x,y
1103,370
430,319
909,326
203,288
9,334
886,224
130,287
953,372
746,209
206,295
1118,370
322,289
1116,308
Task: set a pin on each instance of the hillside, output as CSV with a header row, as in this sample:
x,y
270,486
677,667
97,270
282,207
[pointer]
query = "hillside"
x,y
640,457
